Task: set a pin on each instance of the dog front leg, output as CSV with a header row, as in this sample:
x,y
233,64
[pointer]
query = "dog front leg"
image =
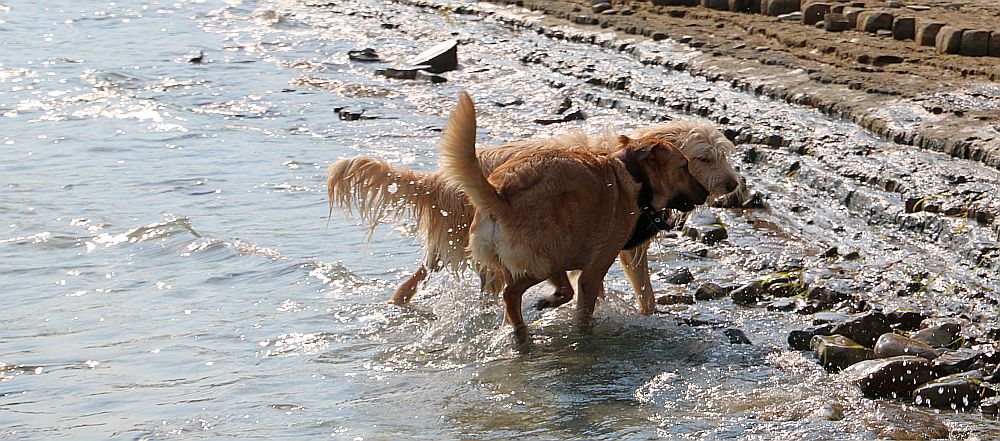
x,y
635,264
563,293
406,291
590,287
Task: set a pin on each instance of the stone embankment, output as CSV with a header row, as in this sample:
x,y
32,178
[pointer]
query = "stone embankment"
x,y
859,62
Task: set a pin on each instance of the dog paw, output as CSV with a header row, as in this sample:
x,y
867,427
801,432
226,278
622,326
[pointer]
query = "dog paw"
x,y
542,304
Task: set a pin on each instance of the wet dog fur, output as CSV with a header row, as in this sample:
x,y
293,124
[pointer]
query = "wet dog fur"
x,y
547,211
383,193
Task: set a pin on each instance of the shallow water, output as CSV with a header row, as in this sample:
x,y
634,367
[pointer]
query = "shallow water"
x,y
169,270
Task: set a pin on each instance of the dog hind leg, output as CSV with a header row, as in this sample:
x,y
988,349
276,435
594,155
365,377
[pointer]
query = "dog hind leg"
x,y
406,291
512,295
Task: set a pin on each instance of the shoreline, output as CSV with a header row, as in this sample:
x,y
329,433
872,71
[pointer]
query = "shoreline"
x,y
921,101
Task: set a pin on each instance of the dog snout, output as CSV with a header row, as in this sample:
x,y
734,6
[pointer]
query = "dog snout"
x,y
731,186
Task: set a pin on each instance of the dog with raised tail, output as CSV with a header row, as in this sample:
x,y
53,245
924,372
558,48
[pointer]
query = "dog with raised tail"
x,y
384,193
544,212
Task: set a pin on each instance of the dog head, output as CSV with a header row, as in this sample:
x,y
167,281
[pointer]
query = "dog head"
x,y
664,170
707,150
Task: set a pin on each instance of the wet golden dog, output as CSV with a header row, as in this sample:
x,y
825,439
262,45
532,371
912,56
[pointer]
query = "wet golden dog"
x,y
381,193
544,212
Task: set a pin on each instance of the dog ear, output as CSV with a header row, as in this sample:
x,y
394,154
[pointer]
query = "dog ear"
x,y
623,140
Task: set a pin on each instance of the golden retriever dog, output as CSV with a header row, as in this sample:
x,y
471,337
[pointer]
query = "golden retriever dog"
x,y
382,193
544,212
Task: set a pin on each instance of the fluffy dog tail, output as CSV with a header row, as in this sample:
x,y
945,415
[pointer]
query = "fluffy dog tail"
x,y
377,191
459,162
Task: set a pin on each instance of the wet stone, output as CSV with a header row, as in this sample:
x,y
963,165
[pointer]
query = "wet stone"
x,y
799,339
891,344
675,299
681,276
905,320
748,294
825,298
836,352
737,337
890,377
423,75
782,286
958,391
822,318
782,305
864,329
601,7
990,406
953,362
440,58
400,73
710,291
937,336
366,55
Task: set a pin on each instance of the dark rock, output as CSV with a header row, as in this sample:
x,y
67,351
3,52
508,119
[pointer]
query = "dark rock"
x,y
601,7
197,59
775,8
366,55
831,252
799,339
891,344
822,318
351,114
659,36
784,286
958,391
905,320
442,57
705,227
927,33
573,115
885,59
874,21
852,15
719,5
423,75
864,329
825,298
991,406
783,305
836,352
710,291
737,337
953,362
681,276
675,299
949,40
814,12
994,50
890,377
748,294
904,28
939,336
742,6
975,43
513,102
400,73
